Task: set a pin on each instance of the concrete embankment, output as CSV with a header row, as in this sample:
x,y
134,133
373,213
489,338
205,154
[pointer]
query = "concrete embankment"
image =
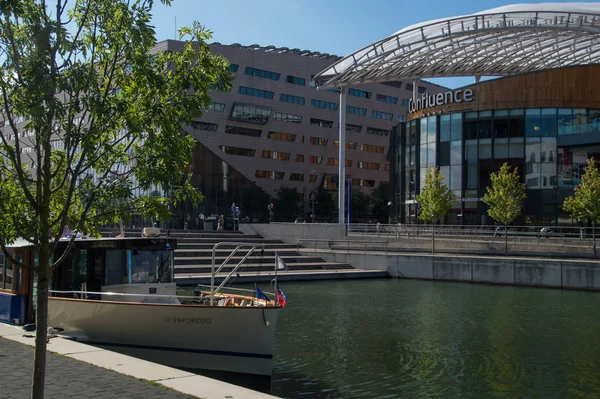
x,y
525,271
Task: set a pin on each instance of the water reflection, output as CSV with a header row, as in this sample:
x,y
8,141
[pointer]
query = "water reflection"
x,y
402,338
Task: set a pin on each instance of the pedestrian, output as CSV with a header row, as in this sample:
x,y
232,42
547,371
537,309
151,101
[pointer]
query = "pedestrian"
x,y
221,223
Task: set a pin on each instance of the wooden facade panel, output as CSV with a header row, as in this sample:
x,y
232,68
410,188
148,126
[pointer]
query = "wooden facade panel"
x,y
573,87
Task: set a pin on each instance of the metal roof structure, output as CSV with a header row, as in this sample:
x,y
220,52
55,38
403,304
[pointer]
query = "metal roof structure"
x,y
283,50
502,41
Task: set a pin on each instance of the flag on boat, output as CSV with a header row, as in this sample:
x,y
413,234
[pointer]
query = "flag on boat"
x,y
261,295
281,298
280,263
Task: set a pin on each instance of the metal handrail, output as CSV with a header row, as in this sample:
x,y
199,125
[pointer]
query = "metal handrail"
x,y
236,289
236,267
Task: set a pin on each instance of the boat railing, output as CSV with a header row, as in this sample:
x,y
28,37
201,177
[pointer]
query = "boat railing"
x,y
85,295
239,246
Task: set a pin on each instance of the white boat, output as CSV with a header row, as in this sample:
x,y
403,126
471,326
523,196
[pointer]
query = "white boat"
x,y
126,300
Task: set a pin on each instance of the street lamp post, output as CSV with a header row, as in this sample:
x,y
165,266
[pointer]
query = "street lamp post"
x,y
389,212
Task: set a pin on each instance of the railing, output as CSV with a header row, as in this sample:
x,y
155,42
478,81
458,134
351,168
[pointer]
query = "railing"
x,y
85,294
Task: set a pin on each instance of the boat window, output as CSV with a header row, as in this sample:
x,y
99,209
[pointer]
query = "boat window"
x,y
115,271
150,266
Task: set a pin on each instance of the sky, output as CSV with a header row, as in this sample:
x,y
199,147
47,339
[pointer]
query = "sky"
x,y
331,26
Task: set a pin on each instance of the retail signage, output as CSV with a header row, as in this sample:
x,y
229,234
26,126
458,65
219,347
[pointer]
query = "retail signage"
x,y
431,100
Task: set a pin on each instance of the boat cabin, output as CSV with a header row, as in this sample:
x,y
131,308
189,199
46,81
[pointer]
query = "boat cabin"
x,y
93,266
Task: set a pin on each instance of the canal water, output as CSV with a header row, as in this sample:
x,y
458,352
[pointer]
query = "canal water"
x,y
413,339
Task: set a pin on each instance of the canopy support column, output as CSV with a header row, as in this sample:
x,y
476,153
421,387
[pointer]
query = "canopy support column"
x,y
342,155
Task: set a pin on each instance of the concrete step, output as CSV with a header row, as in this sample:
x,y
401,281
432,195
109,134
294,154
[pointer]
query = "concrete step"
x,y
215,240
247,277
183,253
191,246
204,260
189,269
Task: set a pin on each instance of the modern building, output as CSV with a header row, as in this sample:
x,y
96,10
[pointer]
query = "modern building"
x,y
273,129
541,115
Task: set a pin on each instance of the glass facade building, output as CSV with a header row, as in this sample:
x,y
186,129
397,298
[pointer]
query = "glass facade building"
x,y
549,146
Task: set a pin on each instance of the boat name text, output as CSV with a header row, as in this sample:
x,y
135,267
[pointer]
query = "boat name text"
x,y
188,320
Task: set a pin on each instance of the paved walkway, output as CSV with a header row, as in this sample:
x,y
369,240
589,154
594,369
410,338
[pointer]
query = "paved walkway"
x,y
76,370
70,378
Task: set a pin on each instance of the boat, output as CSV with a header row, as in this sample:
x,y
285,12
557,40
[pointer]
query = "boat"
x,y
120,294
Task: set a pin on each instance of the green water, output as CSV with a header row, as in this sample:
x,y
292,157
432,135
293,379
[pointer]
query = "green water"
x,y
415,339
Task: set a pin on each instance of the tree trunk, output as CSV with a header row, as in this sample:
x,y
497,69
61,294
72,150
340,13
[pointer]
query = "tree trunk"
x,y
432,239
594,236
505,239
41,319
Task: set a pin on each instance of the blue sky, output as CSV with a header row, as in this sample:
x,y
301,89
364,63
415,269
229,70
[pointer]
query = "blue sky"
x,y
331,26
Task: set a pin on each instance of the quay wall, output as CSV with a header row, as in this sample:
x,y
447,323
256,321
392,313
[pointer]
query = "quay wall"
x,y
555,273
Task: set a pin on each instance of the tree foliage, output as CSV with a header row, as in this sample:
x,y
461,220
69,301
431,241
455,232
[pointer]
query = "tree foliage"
x,y
325,205
379,200
92,120
505,196
435,198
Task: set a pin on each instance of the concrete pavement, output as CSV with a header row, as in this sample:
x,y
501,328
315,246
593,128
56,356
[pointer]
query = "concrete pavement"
x,y
85,371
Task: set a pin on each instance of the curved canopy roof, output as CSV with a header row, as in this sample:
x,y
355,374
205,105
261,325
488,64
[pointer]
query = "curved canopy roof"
x,y
502,41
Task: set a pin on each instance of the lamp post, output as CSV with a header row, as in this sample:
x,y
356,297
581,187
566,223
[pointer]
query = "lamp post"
x,y
389,212
312,195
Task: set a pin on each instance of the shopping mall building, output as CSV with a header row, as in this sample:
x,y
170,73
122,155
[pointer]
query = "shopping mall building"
x,y
541,113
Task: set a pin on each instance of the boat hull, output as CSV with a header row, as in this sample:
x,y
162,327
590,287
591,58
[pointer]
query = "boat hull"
x,y
233,339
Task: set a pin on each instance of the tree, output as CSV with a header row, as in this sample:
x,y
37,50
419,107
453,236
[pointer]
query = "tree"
x,y
434,200
505,198
359,204
325,205
585,204
92,117
287,203
380,199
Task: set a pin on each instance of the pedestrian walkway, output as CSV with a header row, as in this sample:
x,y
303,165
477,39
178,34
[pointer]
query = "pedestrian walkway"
x,y
81,371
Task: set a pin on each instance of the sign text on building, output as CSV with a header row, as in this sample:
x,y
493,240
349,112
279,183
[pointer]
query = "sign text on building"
x,y
426,100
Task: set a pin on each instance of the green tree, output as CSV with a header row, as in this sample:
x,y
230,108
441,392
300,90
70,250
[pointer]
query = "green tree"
x,y
380,199
325,205
92,115
505,198
434,200
359,204
585,204
286,205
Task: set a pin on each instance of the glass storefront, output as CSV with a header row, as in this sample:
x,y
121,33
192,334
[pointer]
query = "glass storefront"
x,y
549,146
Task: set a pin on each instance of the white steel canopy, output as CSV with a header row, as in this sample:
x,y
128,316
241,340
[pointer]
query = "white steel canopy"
x,y
502,41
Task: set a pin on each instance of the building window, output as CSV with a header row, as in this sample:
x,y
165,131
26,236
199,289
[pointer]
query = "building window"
x,y
349,145
372,148
281,156
401,118
249,91
218,107
291,99
296,176
269,174
368,165
422,89
281,136
247,152
323,104
359,93
378,132
363,183
382,115
318,141
242,131
295,80
250,113
261,73
387,99
280,116
336,162
321,122
409,86
404,102
233,67
313,178
316,159
356,110
353,128
331,181
386,167
299,157
394,84
211,127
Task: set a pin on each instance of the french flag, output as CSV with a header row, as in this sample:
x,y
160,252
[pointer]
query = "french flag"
x,y
281,298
